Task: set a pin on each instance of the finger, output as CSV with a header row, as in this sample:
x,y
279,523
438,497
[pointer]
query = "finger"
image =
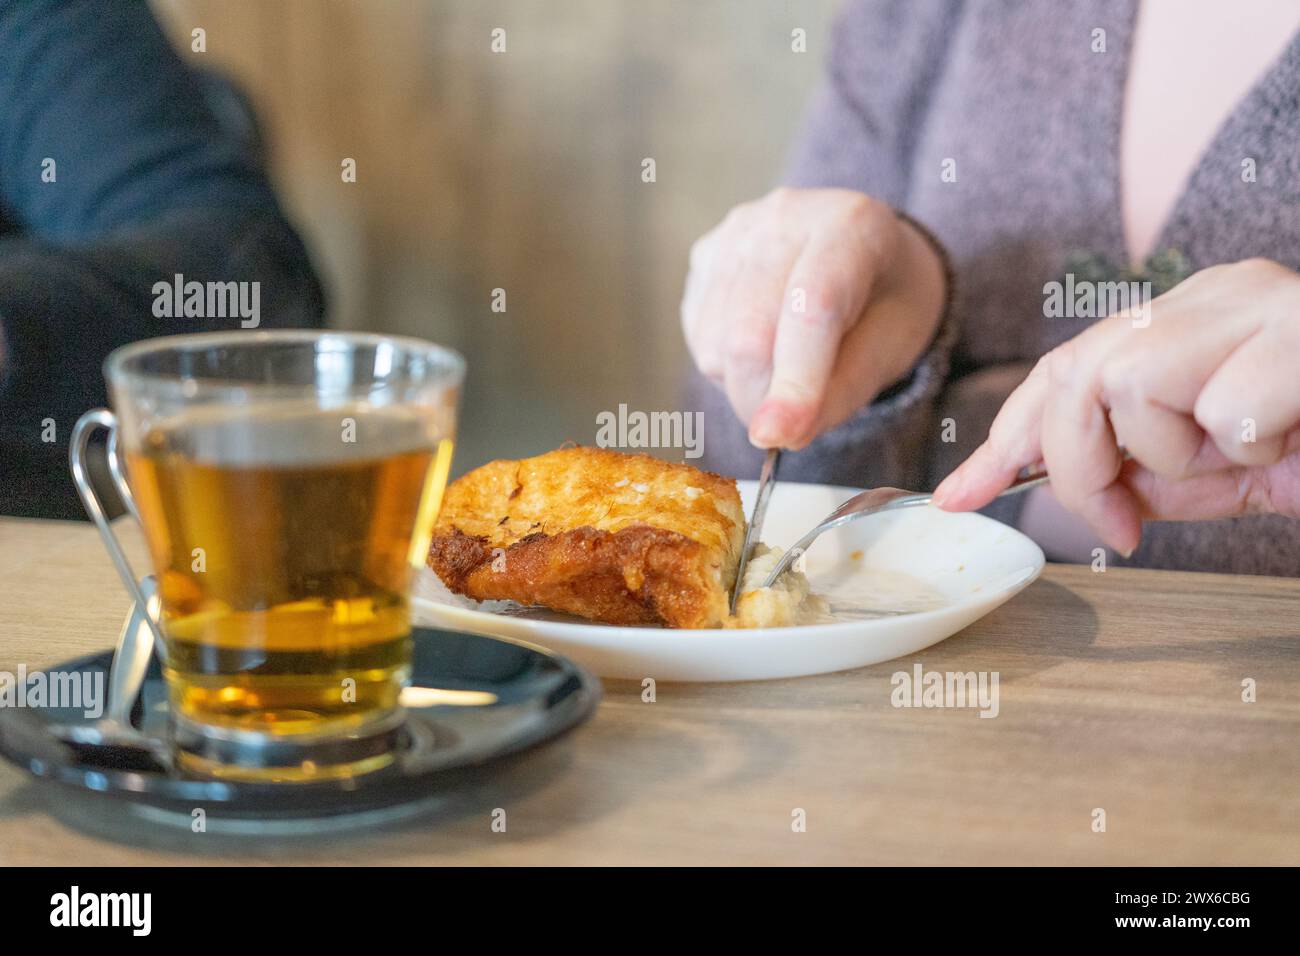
x,y
717,259
826,293
1207,497
1251,403
1013,444
884,340
751,312
863,363
698,268
1169,443
1079,445
1227,492
1082,456
1151,380
703,340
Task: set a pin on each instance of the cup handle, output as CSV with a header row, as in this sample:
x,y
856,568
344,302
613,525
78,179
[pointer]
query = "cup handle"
x,y
117,469
81,432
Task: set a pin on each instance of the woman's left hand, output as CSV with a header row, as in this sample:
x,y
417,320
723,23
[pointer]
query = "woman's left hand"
x,y
1205,397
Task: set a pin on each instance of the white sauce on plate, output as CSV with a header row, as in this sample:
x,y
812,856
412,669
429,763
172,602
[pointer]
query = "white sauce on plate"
x,y
870,593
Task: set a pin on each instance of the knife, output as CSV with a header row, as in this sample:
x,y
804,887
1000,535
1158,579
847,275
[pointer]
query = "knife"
x,y
766,479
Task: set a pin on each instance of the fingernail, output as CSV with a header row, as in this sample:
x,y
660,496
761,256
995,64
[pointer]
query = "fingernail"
x,y
765,427
761,434
947,488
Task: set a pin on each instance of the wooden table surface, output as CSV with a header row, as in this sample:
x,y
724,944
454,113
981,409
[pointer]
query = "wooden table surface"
x,y
1119,690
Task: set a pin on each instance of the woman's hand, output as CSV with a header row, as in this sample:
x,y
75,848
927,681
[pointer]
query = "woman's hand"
x,y
1205,398
807,303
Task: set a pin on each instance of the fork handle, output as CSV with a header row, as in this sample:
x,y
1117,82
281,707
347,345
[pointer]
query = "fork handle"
x,y
1029,477
1033,477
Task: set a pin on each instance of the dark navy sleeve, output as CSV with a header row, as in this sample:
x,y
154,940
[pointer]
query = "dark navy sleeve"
x,y
115,175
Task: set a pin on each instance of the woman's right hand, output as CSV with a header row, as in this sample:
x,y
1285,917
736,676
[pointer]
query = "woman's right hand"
x,y
806,304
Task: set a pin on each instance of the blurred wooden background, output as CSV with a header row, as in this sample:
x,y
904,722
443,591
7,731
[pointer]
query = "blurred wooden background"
x,y
518,170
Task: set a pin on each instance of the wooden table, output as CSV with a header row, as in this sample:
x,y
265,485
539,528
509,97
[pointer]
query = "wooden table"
x,y
1119,690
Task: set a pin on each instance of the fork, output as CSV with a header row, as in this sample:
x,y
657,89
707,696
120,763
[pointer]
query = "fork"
x,y
876,500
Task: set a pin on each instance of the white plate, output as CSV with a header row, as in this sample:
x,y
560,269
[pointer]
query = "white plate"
x,y
970,564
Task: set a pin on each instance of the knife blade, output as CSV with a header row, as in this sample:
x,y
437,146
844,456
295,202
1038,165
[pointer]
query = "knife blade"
x,y
766,479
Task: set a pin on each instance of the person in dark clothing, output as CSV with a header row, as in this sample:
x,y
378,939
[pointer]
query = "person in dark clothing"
x,y
117,176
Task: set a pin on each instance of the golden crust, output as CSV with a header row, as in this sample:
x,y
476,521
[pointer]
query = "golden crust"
x,y
619,538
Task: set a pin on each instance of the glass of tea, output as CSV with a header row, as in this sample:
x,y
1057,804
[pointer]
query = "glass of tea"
x,y
287,484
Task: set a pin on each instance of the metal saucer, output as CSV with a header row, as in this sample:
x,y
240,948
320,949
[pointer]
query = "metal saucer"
x,y
472,702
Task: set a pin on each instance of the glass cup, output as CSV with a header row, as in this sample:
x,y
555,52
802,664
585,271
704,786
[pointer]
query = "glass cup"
x,y
287,484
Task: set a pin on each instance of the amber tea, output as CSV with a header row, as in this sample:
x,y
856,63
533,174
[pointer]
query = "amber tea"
x,y
283,542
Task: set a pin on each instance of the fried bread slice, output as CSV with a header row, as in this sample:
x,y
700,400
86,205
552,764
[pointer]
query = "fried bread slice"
x,y
614,537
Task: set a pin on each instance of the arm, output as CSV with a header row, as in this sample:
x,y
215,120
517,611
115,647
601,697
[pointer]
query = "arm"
x,y
145,184
852,380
